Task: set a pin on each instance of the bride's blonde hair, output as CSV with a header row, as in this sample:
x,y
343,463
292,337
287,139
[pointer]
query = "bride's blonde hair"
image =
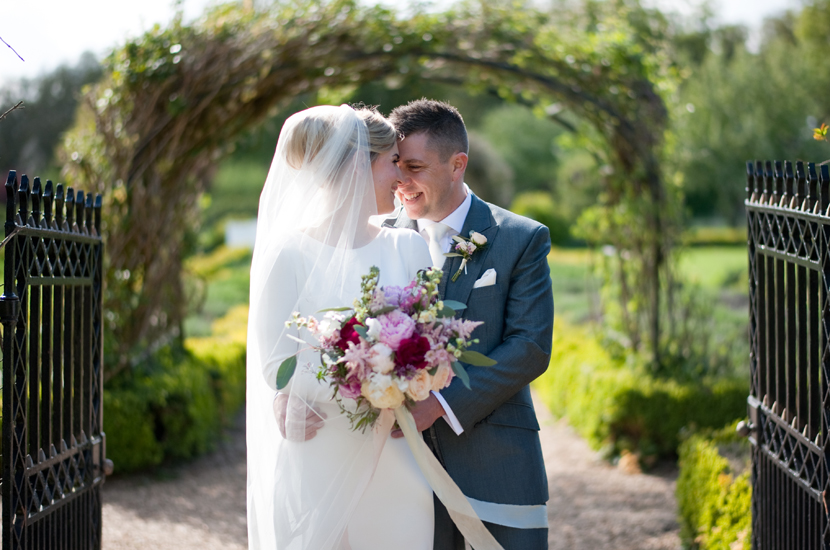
x,y
311,134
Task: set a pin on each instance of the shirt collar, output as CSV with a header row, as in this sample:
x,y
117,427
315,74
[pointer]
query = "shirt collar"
x,y
455,220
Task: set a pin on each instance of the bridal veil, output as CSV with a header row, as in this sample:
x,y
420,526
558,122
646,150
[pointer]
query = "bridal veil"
x,y
313,213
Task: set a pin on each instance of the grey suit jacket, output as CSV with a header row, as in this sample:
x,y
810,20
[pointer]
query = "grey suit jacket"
x,y
498,458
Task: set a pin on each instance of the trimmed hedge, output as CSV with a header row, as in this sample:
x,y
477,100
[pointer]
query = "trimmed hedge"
x,y
177,402
714,494
616,406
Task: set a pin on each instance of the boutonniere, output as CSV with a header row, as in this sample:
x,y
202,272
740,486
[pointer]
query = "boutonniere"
x,y
466,248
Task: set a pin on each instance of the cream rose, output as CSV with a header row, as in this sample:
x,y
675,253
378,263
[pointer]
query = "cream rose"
x,y
478,238
419,386
442,377
380,358
382,392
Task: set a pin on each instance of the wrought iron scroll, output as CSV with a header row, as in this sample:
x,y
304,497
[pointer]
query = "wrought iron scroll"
x,y
51,312
788,217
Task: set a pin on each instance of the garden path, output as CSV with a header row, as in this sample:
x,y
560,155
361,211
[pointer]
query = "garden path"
x,y
593,506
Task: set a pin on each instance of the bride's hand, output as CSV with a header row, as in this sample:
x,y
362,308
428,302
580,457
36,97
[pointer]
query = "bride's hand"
x,y
301,422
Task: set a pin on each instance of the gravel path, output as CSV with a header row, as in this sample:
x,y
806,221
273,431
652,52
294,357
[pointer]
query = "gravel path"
x,y
592,506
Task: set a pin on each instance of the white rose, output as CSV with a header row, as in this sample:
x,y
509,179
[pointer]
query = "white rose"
x,y
372,328
327,327
478,238
442,377
380,358
419,386
382,392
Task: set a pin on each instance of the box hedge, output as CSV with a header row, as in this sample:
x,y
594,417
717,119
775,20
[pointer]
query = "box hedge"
x,y
617,406
714,494
176,403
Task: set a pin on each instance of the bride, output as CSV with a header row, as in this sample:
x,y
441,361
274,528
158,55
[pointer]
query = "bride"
x,y
313,483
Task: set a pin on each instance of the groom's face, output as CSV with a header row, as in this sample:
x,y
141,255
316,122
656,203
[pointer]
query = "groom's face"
x,y
431,188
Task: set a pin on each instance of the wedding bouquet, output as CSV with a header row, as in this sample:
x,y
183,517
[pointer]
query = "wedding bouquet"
x,y
394,346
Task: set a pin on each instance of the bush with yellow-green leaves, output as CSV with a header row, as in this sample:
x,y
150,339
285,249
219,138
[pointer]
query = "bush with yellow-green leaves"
x,y
714,494
176,402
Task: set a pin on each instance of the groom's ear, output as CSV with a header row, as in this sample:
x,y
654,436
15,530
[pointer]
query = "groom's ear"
x,y
458,162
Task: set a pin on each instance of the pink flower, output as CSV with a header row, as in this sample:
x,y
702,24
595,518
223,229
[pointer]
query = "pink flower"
x,y
438,357
392,295
394,327
379,300
351,388
463,327
356,358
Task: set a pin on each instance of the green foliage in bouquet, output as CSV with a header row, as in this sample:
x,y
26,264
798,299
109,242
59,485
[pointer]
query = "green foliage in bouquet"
x,y
714,494
618,406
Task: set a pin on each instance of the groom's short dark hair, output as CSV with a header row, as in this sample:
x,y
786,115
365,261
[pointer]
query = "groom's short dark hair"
x,y
440,121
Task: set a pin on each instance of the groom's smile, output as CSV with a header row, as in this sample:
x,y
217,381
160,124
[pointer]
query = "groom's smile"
x,y
432,186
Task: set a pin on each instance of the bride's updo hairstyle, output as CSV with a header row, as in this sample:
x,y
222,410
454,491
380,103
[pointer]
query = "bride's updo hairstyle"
x,y
382,135
306,140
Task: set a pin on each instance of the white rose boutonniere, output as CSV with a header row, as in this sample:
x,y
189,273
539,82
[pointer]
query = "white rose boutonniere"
x,y
466,248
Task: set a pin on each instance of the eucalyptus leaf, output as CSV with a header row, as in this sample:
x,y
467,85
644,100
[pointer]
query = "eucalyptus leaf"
x,y
476,359
453,304
452,255
446,312
383,310
361,330
345,308
456,238
286,371
459,371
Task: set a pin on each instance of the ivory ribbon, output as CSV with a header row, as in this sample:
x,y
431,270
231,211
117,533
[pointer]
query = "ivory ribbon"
x,y
457,505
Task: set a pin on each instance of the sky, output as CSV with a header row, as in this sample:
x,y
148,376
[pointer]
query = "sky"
x,y
48,33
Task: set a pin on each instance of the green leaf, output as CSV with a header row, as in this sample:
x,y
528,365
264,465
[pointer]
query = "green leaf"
x,y
383,310
452,255
477,359
361,330
335,309
446,312
461,373
286,371
457,306
456,238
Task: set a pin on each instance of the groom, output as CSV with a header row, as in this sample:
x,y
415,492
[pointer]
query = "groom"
x,y
488,440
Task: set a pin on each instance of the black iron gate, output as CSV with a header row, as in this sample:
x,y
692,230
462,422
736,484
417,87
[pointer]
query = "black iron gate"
x,y
53,447
789,406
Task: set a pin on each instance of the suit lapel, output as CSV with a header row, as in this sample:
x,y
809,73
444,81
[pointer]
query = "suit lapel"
x,y
479,219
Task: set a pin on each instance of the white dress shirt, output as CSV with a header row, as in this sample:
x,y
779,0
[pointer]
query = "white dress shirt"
x,y
456,223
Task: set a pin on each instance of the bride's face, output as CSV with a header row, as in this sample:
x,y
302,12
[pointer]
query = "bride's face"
x,y
386,175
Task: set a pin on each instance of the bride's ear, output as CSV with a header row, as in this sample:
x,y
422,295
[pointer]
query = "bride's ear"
x,y
459,164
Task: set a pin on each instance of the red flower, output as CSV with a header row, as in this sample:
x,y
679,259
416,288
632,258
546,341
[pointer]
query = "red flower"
x,y
349,334
411,352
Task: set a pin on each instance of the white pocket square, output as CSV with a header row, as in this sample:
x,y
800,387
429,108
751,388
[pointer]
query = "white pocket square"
x,y
488,279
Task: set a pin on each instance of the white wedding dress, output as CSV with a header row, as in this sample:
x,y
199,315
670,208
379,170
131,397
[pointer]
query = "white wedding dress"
x,y
323,496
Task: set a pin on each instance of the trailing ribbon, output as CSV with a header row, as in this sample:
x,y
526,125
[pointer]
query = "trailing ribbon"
x,y
459,508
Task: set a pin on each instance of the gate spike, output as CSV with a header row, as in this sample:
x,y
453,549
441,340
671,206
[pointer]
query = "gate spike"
x,y
810,188
88,215
11,196
778,190
774,408
70,208
766,400
23,196
59,199
98,203
823,201
751,191
794,424
818,440
37,193
806,432
789,183
79,211
47,203
765,172
800,182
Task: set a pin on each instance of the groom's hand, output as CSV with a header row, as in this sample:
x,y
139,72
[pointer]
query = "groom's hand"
x,y
425,413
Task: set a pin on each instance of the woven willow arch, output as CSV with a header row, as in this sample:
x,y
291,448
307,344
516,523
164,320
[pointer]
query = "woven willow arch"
x,y
172,102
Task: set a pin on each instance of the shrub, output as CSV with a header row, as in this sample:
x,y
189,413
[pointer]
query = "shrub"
x,y
540,206
714,494
618,406
176,402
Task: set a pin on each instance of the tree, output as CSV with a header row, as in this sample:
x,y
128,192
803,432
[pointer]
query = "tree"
x,y
173,101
